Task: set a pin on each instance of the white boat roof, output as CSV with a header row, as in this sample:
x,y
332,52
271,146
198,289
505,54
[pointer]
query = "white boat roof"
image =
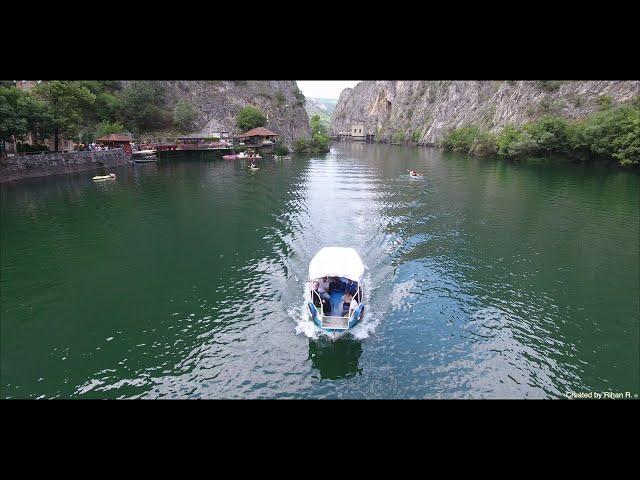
x,y
337,262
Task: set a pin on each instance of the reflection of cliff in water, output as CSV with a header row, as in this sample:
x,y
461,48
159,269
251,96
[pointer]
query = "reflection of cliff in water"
x,y
337,359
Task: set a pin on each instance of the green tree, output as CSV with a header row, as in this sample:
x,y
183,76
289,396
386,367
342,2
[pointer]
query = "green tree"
x,y
12,123
319,136
614,132
142,106
250,117
40,122
66,101
514,142
300,98
484,144
185,116
460,139
604,102
549,133
107,128
280,148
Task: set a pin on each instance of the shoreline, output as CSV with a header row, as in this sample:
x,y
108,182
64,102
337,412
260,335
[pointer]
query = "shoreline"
x,y
21,167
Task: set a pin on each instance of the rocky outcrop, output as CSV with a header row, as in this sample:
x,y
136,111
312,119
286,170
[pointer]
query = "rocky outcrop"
x,y
217,103
17,167
422,111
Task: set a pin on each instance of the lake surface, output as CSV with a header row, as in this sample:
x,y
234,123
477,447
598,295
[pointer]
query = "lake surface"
x,y
185,279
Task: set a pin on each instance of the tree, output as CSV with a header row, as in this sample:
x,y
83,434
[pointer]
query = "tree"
x,y
319,141
460,139
142,106
12,123
319,136
550,133
66,101
300,98
36,113
250,117
105,128
185,116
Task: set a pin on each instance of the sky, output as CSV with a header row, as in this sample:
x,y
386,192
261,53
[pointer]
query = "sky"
x,y
324,88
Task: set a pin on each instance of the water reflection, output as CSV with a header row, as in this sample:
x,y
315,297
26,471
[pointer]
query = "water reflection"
x,y
335,359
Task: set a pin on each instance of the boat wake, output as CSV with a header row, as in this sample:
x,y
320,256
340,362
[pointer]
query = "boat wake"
x,y
305,325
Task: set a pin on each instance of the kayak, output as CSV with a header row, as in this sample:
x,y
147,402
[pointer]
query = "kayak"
x,y
111,176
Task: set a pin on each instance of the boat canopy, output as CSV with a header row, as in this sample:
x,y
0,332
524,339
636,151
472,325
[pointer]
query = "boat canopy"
x,y
337,262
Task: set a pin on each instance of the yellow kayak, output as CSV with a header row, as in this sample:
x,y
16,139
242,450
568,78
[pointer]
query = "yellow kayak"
x,y
111,176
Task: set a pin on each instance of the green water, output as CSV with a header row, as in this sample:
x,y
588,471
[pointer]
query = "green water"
x,y
184,279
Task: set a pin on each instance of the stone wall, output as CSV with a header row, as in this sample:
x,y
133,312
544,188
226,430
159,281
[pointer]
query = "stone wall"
x,y
39,165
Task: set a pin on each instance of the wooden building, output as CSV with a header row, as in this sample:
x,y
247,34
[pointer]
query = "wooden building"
x,y
116,140
258,137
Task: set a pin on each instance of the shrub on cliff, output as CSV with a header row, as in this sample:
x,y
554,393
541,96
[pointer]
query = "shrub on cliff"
x,y
398,137
549,133
185,116
484,144
250,117
319,141
460,139
280,148
300,98
614,133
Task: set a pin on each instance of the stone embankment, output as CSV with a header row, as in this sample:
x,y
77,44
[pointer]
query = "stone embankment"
x,y
42,164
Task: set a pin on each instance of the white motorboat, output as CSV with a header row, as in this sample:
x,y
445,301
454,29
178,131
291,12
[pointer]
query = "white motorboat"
x,y
335,293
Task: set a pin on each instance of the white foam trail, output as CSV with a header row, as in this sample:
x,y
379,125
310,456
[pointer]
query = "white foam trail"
x,y
305,325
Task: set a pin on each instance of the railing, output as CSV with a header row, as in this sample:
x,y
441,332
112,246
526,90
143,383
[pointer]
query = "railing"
x,y
359,295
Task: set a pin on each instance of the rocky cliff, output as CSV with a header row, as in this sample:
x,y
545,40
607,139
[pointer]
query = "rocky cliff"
x,y
217,103
423,111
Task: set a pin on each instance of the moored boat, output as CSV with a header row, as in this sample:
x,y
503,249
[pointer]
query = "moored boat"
x,y
147,159
143,153
242,156
335,296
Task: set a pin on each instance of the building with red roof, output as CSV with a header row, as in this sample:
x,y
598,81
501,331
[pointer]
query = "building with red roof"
x,y
258,137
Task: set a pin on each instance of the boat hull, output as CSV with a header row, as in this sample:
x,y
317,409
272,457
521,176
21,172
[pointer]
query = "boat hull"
x,y
336,332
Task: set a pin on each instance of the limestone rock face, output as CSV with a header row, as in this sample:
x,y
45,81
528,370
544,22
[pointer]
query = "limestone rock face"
x,y
218,101
423,110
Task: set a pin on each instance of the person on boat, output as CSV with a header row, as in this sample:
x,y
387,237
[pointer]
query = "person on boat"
x,y
351,287
346,301
323,288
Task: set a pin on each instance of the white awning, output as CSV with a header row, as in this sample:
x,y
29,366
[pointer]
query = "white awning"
x,y
337,262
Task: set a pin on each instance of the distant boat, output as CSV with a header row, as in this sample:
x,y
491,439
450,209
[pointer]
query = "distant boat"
x,y
241,156
142,153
